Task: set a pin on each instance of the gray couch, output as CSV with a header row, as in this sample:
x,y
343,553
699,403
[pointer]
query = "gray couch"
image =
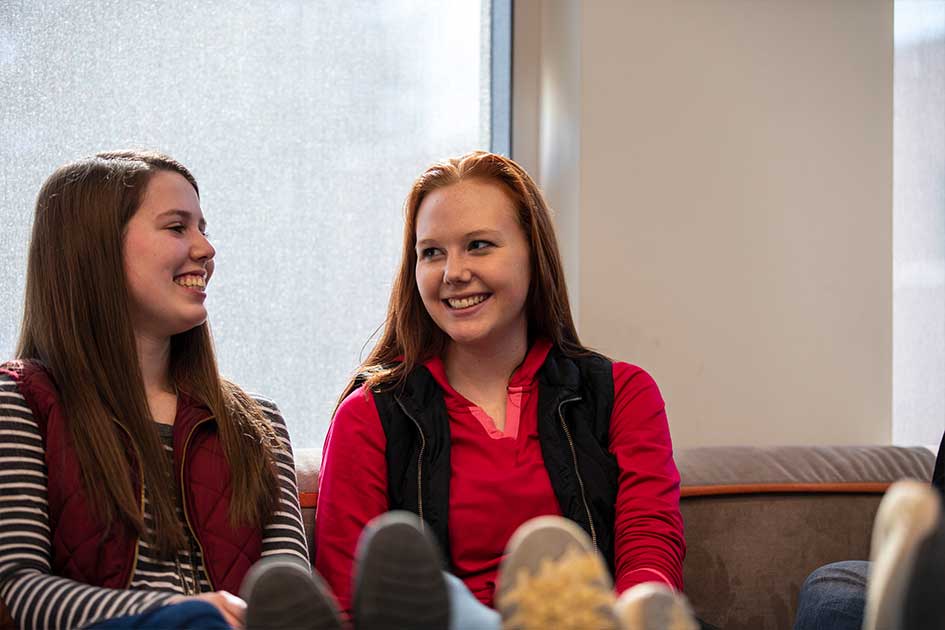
x,y
759,520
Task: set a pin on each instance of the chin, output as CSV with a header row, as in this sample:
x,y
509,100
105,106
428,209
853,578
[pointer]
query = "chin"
x,y
190,323
467,337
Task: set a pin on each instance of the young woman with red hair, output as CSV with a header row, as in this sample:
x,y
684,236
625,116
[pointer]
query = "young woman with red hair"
x,y
479,410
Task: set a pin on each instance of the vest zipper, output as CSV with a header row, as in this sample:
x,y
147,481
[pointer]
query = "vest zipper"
x,y
183,494
134,561
567,433
423,446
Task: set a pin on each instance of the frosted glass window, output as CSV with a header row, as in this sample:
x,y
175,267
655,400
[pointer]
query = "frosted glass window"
x,y
304,122
919,223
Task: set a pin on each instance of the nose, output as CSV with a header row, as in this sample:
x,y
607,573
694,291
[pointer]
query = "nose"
x,y
455,271
202,249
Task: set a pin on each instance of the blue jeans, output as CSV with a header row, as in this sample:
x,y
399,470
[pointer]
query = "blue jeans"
x,y
833,597
192,614
467,612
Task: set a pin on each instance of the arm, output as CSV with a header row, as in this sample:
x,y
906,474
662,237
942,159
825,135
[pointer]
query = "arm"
x,y
285,533
352,489
35,598
649,528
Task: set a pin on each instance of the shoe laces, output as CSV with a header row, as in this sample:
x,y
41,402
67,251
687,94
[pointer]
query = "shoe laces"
x,y
568,593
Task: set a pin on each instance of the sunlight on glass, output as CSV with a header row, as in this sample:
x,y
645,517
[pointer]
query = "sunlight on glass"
x,y
919,222
304,122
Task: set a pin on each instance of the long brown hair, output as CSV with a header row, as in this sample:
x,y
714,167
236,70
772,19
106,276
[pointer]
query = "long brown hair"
x,y
410,335
76,322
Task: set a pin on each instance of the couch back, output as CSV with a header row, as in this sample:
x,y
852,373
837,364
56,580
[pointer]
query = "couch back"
x,y
759,520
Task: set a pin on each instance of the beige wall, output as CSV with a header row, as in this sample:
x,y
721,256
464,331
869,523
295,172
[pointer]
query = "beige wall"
x,y
725,197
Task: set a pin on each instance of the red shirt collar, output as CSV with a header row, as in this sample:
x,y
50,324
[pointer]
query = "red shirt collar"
x,y
523,376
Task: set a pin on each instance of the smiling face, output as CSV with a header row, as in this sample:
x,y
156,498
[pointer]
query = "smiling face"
x,y
473,264
167,258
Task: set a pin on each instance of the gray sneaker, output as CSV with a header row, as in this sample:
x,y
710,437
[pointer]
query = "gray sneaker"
x,y
553,577
283,594
907,516
655,606
399,580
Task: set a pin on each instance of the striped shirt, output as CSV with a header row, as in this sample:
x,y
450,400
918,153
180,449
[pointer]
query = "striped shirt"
x,y
187,573
37,599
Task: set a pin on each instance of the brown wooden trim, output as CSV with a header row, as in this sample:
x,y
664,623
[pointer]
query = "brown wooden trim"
x,y
868,487
308,499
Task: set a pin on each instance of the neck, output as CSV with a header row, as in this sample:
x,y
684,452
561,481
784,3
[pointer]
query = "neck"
x,y
484,367
154,359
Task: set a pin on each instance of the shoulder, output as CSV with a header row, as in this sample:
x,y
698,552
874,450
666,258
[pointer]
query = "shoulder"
x,y
357,405
16,415
357,418
7,382
268,405
355,431
635,391
30,382
272,414
10,390
30,373
15,369
627,373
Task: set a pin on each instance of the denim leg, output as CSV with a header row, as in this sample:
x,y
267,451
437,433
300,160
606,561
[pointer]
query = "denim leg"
x,y
833,597
190,614
467,612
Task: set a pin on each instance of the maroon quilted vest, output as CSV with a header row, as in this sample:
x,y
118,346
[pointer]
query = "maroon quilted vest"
x,y
88,550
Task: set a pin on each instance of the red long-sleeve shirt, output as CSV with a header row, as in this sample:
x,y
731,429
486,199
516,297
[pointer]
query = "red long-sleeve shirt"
x,y
499,481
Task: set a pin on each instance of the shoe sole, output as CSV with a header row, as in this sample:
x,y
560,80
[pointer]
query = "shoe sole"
x,y
907,515
399,580
553,577
654,606
282,594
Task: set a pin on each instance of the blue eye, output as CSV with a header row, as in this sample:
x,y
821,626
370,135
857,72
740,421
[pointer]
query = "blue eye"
x,y
429,252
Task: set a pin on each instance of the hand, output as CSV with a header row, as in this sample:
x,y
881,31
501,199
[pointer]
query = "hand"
x,y
230,606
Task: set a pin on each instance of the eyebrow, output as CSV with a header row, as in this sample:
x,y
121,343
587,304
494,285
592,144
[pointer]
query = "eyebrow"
x,y
468,235
185,215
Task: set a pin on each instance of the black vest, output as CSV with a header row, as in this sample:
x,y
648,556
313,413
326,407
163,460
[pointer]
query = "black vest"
x,y
575,400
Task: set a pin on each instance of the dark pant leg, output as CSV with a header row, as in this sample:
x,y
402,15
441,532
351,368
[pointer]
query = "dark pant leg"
x,y
191,614
833,597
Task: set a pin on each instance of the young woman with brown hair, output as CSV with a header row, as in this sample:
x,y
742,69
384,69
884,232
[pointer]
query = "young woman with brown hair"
x,y
479,409
138,486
